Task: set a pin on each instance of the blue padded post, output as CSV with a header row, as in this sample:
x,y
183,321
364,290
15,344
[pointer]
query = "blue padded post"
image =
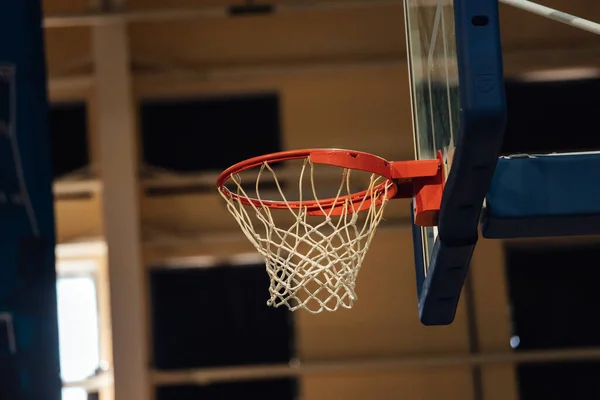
x,y
418,253
543,196
481,130
29,362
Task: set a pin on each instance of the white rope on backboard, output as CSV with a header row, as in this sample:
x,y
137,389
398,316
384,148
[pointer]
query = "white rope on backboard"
x,y
556,15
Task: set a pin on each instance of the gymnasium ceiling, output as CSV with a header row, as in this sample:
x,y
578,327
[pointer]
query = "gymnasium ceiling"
x,y
183,36
208,44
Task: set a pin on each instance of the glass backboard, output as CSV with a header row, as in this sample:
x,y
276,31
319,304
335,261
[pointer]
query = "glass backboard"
x,y
431,46
459,110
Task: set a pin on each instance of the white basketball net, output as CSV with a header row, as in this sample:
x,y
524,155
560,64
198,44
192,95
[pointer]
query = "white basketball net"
x,y
312,261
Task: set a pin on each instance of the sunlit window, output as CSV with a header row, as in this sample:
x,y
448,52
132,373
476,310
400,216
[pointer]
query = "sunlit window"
x,y
78,331
74,394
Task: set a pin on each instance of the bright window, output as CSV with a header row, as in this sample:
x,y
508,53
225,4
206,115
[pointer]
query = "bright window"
x,y
78,331
74,394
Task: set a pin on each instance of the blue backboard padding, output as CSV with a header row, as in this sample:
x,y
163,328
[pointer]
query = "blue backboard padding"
x,y
482,122
446,272
418,253
445,278
544,195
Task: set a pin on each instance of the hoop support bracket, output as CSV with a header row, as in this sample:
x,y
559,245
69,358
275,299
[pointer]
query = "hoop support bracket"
x,y
423,181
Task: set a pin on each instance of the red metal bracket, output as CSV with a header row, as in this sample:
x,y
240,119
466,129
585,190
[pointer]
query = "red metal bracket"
x,y
423,181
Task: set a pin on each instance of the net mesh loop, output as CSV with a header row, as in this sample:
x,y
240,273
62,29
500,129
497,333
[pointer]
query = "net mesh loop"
x,y
313,261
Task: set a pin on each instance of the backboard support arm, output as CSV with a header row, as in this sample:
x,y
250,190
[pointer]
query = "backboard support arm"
x,y
423,181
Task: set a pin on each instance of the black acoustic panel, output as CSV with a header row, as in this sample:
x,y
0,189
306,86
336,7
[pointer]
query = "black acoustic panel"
x,y
546,117
209,134
281,389
553,293
216,317
93,396
9,179
68,130
9,372
5,105
32,253
559,381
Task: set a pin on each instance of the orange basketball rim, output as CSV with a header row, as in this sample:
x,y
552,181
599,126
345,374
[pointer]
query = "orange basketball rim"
x,y
422,180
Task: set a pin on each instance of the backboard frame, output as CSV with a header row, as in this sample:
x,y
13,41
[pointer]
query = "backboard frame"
x,y
482,120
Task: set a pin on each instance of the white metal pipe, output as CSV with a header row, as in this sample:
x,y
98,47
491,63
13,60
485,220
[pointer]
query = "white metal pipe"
x,y
94,383
63,21
515,61
555,15
213,375
103,18
107,18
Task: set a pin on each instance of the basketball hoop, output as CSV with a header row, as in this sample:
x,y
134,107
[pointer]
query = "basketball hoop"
x,y
314,246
